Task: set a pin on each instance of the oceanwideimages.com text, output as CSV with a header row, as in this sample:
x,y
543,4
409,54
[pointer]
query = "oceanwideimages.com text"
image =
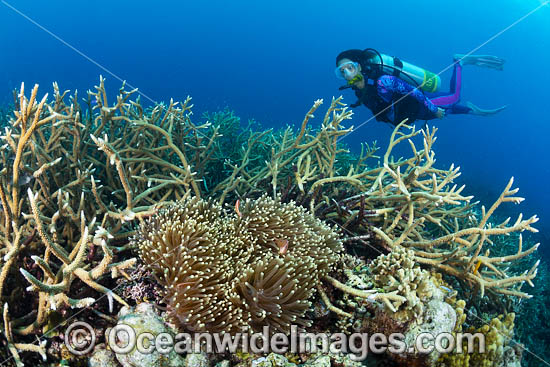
x,y
121,339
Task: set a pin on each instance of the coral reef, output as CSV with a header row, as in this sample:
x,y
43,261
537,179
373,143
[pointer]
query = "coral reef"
x,y
66,213
257,266
401,203
51,245
411,204
317,360
418,304
76,180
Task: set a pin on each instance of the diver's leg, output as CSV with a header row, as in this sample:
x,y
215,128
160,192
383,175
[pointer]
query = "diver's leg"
x,y
470,108
454,95
488,61
452,87
456,67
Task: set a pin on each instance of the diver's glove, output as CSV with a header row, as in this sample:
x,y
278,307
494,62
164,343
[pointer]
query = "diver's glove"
x,y
356,104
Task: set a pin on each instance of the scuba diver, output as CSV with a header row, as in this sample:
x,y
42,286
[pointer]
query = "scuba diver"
x,y
395,90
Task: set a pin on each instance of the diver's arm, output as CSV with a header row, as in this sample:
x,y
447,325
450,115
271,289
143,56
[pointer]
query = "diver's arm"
x,y
391,88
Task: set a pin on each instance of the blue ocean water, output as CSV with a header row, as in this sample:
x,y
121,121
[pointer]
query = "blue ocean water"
x,y
269,61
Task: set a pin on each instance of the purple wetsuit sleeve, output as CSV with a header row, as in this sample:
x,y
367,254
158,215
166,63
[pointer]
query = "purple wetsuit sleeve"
x,y
391,88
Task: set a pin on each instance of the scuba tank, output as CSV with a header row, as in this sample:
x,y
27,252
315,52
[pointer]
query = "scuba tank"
x,y
389,65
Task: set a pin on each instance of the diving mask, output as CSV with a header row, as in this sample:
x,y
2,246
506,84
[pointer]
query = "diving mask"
x,y
348,70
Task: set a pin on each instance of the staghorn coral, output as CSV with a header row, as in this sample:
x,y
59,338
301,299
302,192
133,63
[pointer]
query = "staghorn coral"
x,y
410,203
58,234
228,272
71,182
421,211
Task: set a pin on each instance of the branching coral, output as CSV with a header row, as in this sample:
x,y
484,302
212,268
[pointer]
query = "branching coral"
x,y
35,178
63,208
300,164
401,203
423,194
258,266
410,203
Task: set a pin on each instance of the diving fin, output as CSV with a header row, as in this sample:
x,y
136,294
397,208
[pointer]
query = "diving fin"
x,y
483,112
487,61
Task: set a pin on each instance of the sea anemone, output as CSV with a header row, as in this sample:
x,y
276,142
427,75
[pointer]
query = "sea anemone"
x,y
224,272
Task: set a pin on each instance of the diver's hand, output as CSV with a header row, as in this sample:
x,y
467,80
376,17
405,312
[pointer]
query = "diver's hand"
x,y
440,113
